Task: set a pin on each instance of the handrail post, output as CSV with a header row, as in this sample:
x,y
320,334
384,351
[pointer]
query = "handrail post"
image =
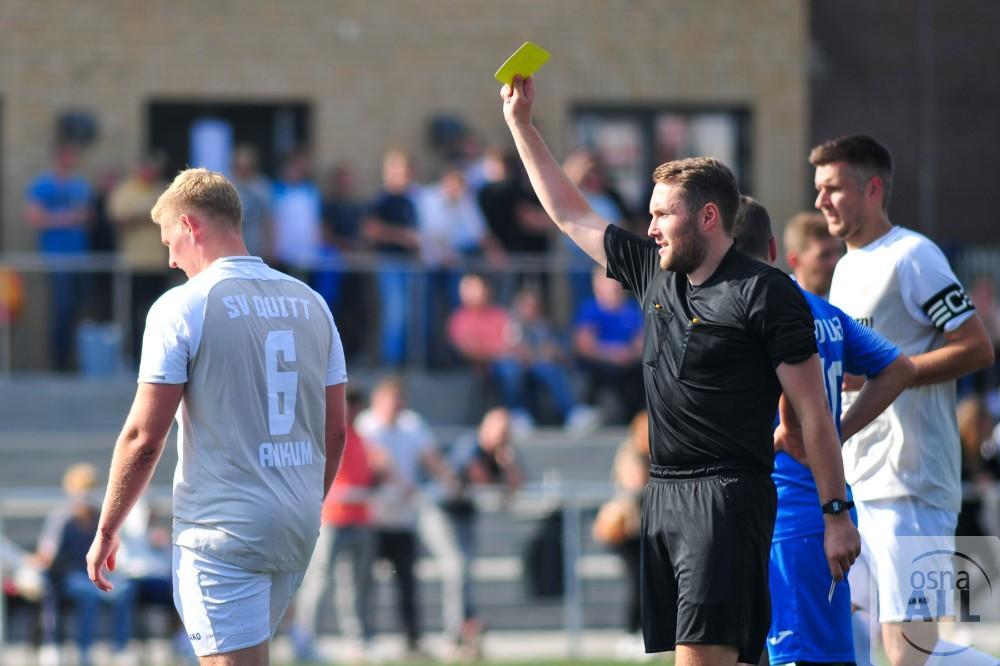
x,y
121,312
6,346
572,597
3,599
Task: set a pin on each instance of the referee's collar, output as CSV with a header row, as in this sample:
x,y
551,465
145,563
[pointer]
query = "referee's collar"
x,y
727,258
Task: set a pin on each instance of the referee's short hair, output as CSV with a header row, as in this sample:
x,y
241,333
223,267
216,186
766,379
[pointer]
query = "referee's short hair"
x,y
207,192
703,180
752,230
863,154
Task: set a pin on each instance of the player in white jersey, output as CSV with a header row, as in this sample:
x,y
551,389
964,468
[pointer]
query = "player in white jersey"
x,y
904,467
250,361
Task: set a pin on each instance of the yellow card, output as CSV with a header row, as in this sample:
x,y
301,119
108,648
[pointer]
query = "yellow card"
x,y
525,61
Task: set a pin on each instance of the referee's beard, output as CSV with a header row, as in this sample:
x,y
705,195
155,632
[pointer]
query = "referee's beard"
x,y
687,252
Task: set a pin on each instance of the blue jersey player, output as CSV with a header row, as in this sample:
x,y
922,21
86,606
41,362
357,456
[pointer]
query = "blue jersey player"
x,y
808,625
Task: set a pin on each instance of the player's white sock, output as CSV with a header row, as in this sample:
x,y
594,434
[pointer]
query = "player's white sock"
x,y
861,625
961,656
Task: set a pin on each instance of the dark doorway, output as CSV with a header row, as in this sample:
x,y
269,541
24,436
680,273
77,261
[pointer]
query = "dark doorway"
x,y
274,128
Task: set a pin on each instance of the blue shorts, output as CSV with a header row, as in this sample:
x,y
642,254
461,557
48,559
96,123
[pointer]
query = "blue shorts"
x,y
805,626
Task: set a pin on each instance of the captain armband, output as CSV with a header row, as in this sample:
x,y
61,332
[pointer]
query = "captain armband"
x,y
947,304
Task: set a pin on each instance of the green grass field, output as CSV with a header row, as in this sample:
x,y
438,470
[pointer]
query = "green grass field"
x,y
599,662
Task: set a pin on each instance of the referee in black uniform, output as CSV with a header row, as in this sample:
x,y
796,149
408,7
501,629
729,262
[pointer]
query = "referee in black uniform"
x,y
725,335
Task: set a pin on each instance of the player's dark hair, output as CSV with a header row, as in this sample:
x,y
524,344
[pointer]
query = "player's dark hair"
x,y
863,154
703,180
752,229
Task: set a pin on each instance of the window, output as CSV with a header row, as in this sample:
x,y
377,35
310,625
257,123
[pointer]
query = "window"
x,y
632,141
274,129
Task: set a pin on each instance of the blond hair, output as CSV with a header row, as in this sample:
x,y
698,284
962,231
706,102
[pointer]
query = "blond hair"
x,y
803,229
207,192
79,478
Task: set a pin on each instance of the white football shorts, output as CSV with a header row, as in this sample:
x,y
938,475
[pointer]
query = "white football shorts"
x,y
224,607
905,568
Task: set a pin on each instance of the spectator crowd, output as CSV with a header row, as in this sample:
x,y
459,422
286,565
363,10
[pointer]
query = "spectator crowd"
x,y
404,270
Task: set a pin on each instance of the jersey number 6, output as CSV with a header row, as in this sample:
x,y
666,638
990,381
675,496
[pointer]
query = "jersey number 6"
x,y
282,385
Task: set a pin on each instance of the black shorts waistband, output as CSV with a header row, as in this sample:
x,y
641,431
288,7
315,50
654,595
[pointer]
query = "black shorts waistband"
x,y
701,471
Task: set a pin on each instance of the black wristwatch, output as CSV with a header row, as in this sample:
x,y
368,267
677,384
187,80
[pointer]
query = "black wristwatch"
x,y
837,506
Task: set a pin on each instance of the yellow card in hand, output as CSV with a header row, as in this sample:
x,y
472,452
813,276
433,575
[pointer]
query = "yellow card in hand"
x,y
526,61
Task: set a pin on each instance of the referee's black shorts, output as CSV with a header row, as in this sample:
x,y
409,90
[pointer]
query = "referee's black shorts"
x,y
706,539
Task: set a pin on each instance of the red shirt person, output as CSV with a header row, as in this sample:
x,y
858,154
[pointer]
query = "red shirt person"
x,y
344,553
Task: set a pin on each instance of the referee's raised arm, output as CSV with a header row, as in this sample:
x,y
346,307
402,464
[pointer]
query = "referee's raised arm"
x,y
561,199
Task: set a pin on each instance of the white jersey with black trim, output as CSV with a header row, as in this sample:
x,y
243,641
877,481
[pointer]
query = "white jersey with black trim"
x,y
256,350
902,286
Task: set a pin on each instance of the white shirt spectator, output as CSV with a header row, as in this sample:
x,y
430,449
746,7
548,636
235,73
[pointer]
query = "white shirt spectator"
x,y
404,442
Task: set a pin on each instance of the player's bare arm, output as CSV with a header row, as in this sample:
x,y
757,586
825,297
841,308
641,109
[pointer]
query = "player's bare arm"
x,y
877,394
966,349
336,432
788,434
803,384
561,199
136,454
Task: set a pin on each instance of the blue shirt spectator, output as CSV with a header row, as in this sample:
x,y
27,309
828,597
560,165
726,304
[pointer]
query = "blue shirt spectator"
x,y
57,204
61,195
607,339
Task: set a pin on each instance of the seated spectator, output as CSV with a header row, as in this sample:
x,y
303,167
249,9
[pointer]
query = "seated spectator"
x,y
535,355
21,584
607,339
21,577
478,328
62,550
480,459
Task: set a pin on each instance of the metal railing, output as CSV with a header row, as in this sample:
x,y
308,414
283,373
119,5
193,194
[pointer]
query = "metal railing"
x,y
558,263
571,499
539,268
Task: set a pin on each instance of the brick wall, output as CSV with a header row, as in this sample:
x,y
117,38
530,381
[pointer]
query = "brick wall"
x,y
374,70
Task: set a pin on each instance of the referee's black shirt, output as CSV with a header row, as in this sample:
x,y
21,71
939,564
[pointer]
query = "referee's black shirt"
x,y
710,353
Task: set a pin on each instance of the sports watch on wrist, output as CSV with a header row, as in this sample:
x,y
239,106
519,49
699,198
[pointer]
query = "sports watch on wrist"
x,y
837,506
